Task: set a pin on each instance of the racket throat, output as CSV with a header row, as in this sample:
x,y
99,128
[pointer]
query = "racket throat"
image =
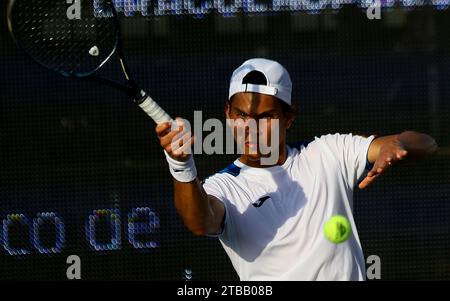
x,y
124,69
136,93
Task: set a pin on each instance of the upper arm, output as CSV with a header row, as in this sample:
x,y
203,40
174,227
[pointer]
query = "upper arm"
x,y
215,225
375,146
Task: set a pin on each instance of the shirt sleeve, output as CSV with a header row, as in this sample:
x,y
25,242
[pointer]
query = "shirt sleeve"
x,y
351,153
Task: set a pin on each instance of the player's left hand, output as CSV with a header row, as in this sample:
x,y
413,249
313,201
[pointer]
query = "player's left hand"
x,y
390,153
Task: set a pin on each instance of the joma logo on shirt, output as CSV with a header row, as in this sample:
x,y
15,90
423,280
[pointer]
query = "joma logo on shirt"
x,y
261,201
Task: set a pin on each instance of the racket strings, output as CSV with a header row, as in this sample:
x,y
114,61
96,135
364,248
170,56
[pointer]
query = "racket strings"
x,y
74,47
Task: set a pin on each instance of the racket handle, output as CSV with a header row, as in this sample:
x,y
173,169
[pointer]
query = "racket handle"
x,y
154,110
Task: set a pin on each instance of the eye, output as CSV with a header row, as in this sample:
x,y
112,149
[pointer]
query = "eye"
x,y
268,116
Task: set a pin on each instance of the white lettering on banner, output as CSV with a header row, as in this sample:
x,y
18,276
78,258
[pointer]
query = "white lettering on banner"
x,y
230,8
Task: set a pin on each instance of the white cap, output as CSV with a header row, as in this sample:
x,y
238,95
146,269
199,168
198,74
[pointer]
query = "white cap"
x,y
278,80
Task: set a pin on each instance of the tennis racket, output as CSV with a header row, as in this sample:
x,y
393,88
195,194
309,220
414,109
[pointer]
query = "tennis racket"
x,y
77,47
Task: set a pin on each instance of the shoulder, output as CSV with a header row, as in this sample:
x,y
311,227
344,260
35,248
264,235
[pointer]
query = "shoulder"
x,y
338,139
335,136
317,142
325,145
231,170
299,145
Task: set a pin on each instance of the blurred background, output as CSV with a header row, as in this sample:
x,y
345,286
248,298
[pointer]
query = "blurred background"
x,y
77,158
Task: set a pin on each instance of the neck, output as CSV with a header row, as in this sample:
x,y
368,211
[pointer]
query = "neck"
x,y
257,163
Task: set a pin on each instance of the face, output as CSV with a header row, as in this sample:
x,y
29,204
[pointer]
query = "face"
x,y
247,108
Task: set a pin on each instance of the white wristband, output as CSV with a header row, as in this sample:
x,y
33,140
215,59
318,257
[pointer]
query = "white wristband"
x,y
182,171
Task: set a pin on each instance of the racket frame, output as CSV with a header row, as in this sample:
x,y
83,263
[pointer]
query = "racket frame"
x,y
132,89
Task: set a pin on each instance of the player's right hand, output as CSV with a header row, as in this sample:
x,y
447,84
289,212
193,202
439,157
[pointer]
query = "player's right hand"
x,y
175,139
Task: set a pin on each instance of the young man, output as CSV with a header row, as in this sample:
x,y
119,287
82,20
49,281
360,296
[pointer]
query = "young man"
x,y
270,218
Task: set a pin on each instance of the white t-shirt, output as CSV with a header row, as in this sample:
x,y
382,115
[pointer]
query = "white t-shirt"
x,y
275,216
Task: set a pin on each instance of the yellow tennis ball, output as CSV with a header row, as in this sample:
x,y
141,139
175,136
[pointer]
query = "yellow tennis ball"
x,y
337,229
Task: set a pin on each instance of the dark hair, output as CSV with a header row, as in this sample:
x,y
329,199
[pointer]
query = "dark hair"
x,y
258,78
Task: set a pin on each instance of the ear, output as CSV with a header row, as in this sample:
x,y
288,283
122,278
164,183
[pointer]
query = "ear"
x,y
290,118
227,109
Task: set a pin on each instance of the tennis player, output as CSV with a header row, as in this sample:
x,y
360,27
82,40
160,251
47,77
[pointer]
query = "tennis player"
x,y
270,219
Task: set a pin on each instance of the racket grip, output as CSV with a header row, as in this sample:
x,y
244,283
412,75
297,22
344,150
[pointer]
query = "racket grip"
x,y
154,110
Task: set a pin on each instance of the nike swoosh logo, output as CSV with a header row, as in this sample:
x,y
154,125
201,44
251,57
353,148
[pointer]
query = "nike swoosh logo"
x,y
261,201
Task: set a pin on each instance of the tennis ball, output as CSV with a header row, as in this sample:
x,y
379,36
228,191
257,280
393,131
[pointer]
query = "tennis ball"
x,y
337,229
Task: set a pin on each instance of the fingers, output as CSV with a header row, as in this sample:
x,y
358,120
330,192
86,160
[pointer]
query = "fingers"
x,y
162,129
185,146
381,166
181,143
401,154
171,137
367,181
378,169
166,131
174,139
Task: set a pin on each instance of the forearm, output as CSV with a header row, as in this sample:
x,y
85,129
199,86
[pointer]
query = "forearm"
x,y
191,202
417,144
200,213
